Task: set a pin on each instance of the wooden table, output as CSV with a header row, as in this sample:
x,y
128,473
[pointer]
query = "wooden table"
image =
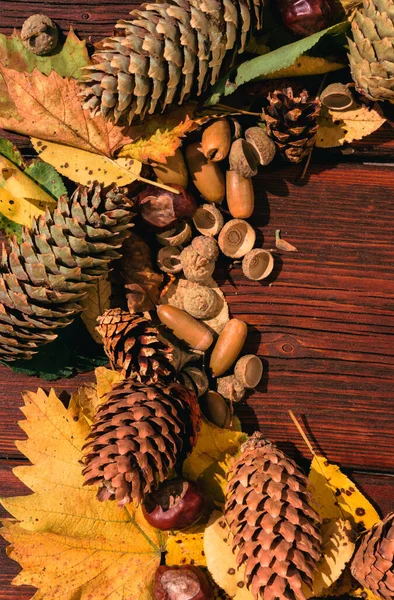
x,y
323,323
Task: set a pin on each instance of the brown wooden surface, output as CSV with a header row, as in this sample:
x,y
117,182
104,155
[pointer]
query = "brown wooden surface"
x,y
323,323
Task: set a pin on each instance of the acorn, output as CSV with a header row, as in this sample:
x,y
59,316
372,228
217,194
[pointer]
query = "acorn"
x,y
264,147
228,346
196,268
231,388
207,176
175,236
168,259
243,159
185,327
176,504
216,140
240,195
237,238
208,220
181,583
202,302
173,170
215,409
249,370
258,264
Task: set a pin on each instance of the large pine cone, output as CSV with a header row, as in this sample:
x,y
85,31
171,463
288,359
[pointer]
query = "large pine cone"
x,y
166,52
44,278
371,54
134,347
275,531
373,563
140,435
291,121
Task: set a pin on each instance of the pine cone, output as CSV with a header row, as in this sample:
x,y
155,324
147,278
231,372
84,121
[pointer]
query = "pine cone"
x,y
133,346
371,54
373,563
274,529
291,122
44,278
165,53
140,434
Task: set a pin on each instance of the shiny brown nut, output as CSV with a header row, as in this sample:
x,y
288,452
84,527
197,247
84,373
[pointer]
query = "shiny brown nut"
x,y
262,144
174,170
215,409
207,176
249,370
216,140
185,327
228,346
243,159
240,195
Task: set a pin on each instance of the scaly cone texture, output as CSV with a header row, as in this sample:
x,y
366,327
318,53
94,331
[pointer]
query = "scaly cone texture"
x,y
275,531
134,347
372,50
166,52
140,434
44,278
292,122
373,563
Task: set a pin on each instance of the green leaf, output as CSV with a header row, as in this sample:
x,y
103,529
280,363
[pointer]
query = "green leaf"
x,y
268,63
47,177
11,152
10,228
74,351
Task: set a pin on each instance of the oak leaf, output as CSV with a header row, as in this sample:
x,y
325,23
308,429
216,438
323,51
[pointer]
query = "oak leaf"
x,y
68,544
94,304
339,127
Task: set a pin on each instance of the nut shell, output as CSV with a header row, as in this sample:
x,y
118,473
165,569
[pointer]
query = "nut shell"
x,y
207,176
249,370
174,170
240,195
262,144
232,389
198,378
185,327
243,159
237,238
258,264
176,504
207,247
215,409
168,259
337,96
216,140
175,236
196,268
228,346
208,220
40,35
202,302
181,583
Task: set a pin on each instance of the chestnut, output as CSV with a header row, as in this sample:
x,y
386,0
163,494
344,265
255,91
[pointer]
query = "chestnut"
x,y
161,209
181,583
304,17
176,504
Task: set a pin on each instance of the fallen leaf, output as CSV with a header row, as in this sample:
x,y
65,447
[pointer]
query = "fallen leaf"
x,y
349,6
47,178
11,152
85,402
186,547
282,244
49,109
95,303
106,379
61,542
85,167
364,594
338,127
306,66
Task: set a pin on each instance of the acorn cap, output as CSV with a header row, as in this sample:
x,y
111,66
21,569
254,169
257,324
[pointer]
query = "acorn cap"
x,y
168,259
196,268
263,145
237,238
215,409
208,220
243,159
232,389
206,247
202,302
175,236
258,264
337,96
249,370
199,379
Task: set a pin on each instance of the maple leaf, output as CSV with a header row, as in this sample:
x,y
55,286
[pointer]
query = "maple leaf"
x,y
89,549
49,109
338,127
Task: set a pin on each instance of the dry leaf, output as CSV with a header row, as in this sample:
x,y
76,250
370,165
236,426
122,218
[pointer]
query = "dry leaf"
x,y
186,547
307,65
85,401
85,167
49,109
60,541
95,303
282,244
338,127
349,6
106,379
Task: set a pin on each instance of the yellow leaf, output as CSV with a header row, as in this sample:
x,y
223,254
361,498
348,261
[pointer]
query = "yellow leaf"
x,y
337,496
95,303
338,127
307,65
214,444
20,210
85,167
185,548
364,594
68,544
106,379
85,402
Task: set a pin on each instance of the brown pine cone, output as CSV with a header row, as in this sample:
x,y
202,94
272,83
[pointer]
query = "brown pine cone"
x,y
140,434
373,563
133,346
275,531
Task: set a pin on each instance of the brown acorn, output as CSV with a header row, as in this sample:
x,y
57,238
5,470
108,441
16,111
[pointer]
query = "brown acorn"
x,y
216,140
185,327
215,409
228,346
240,195
173,170
207,176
